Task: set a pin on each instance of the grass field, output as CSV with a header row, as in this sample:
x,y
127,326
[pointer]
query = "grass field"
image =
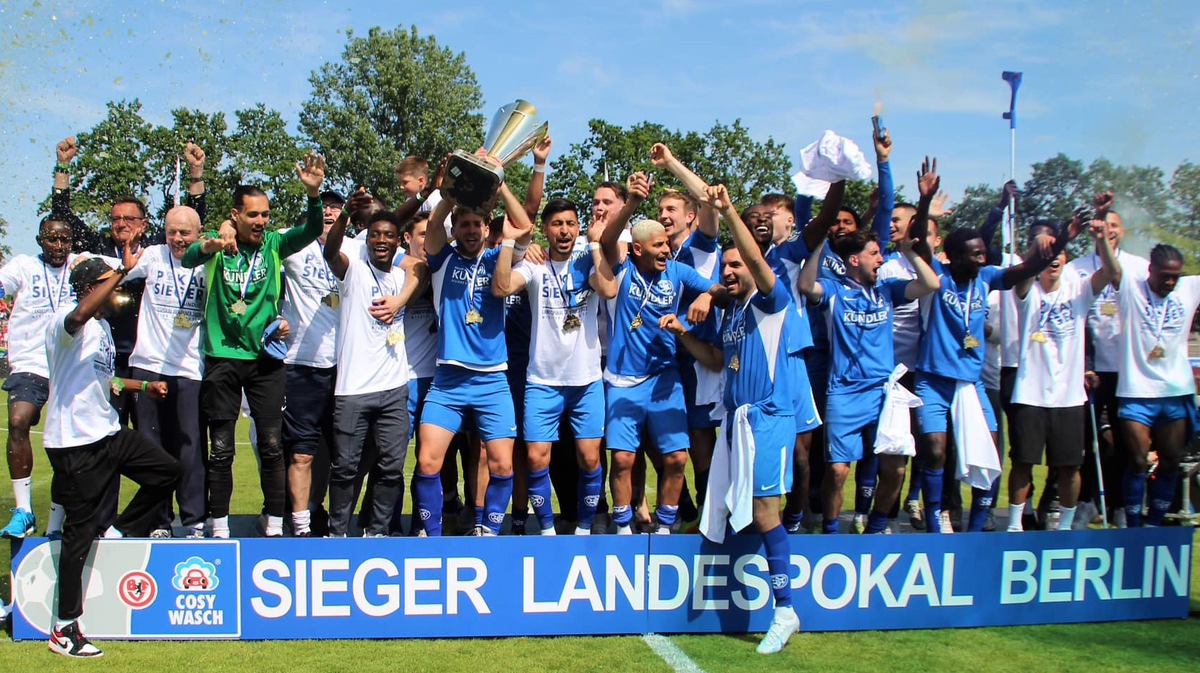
x,y
1159,646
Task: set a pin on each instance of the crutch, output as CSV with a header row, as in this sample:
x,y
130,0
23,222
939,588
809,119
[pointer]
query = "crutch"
x,y
1096,454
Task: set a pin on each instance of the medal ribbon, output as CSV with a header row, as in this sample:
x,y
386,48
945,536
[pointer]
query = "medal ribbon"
x,y
1162,318
175,281
249,275
62,282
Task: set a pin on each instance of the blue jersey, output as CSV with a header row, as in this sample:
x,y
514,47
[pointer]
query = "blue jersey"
x,y
948,316
758,343
832,268
702,253
786,260
462,288
860,332
645,350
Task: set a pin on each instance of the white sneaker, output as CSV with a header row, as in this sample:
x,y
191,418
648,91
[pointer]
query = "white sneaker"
x,y
859,524
783,626
1117,518
944,522
1084,515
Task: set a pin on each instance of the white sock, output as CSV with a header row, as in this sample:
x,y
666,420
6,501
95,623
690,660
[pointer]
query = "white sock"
x,y
220,527
274,525
301,521
1066,516
57,514
1014,518
60,624
112,534
625,530
582,531
549,531
22,493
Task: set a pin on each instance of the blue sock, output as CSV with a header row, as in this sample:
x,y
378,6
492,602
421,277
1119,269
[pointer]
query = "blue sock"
x,y
478,515
1135,493
666,514
427,491
778,553
622,515
539,497
495,501
931,489
829,526
981,504
1162,493
876,522
866,475
590,486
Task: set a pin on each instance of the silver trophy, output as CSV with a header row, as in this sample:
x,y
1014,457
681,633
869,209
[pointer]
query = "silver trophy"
x,y
471,181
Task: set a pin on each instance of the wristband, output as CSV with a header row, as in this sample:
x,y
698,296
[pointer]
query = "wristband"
x,y
145,384
62,168
539,168
519,249
508,243
592,245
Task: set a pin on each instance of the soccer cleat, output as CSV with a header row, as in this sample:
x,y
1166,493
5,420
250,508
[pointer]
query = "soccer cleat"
x,y
989,525
161,534
195,532
477,531
422,533
69,641
662,530
600,523
22,523
796,528
518,526
783,626
859,524
944,522
916,514
302,533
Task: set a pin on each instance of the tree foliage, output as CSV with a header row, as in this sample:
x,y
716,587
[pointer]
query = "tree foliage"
x,y
724,154
393,94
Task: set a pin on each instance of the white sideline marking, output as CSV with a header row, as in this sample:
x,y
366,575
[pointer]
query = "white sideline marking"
x,y
670,653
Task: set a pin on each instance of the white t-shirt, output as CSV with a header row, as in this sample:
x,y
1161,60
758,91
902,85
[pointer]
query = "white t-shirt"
x,y
171,290
1104,320
79,410
40,290
991,343
906,318
559,357
1150,321
420,335
367,362
312,323
1051,371
1010,337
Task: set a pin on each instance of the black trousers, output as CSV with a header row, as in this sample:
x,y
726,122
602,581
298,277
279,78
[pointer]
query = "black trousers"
x,y
83,476
177,425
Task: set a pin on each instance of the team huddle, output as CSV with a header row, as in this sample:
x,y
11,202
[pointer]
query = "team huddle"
x,y
775,362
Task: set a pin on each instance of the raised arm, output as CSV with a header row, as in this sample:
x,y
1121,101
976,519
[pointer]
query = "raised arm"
x,y
504,281
881,223
537,183
90,305
927,281
662,157
602,279
1110,266
435,231
639,188
83,237
1008,195
312,174
337,260
807,282
1039,256
816,231
760,270
927,184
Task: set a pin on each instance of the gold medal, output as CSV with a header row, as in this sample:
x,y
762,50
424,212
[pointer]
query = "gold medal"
x,y
1037,338
238,307
970,342
332,300
571,322
473,317
394,337
1108,309
637,322
734,363
182,321
1158,352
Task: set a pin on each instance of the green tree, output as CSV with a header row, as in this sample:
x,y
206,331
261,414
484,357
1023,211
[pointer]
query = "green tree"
x,y
5,250
113,162
393,94
167,145
262,152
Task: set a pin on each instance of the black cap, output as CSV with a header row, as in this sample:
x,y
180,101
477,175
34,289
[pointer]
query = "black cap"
x,y
89,272
334,196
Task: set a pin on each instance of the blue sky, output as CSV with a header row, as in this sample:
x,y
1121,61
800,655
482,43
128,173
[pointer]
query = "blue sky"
x,y
1118,80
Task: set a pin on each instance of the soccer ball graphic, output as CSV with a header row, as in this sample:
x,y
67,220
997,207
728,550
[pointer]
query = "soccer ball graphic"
x,y
34,586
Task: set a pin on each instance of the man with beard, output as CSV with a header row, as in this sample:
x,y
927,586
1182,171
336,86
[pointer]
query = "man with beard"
x,y
564,364
39,285
240,313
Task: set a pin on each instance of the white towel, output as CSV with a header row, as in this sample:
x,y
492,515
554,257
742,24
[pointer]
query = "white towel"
x,y
894,436
978,462
829,159
730,479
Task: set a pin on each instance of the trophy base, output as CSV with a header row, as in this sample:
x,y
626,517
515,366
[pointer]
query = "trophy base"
x,y
472,182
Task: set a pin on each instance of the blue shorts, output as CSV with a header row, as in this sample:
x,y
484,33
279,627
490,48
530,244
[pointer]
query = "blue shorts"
x,y
774,440
851,420
698,415
654,405
457,393
937,396
816,370
417,390
1155,412
808,415
26,387
545,406
516,387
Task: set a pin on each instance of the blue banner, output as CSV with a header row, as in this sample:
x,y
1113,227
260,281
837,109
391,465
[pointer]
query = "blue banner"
x,y
262,589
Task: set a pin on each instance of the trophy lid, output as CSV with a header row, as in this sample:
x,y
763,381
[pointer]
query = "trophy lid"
x,y
514,131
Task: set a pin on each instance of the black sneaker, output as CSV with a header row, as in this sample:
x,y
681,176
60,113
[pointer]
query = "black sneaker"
x,y
70,642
